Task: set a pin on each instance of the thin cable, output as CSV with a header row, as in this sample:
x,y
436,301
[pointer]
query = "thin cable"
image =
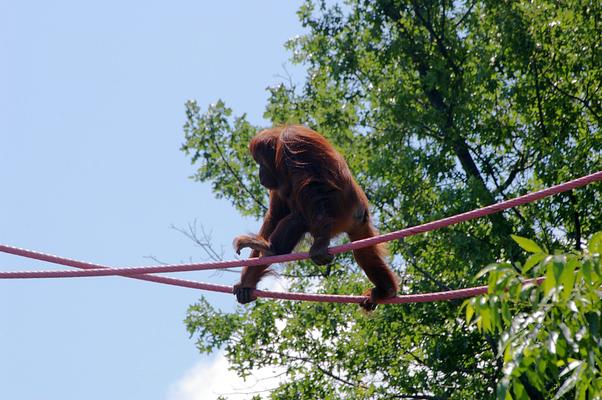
x,y
251,262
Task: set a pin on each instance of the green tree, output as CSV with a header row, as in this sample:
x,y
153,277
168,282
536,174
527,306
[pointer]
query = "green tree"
x,y
439,107
550,335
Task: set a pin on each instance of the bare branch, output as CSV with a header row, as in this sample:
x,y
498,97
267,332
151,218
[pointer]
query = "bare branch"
x,y
202,240
439,41
576,219
491,172
465,15
155,260
584,102
316,365
286,77
238,178
538,95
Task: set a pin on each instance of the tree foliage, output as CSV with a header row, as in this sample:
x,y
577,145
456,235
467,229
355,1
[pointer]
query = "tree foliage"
x,y
550,337
439,107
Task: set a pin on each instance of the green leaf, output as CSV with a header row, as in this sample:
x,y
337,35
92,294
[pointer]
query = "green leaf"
x,y
593,319
550,282
527,244
558,263
551,342
532,261
508,353
567,278
507,317
486,270
493,277
586,269
495,313
595,243
486,319
569,383
566,332
469,311
519,391
502,390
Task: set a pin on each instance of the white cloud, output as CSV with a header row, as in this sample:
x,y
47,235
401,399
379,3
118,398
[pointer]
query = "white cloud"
x,y
211,378
208,379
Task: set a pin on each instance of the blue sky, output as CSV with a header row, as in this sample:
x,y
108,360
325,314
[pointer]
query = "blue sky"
x,y
91,111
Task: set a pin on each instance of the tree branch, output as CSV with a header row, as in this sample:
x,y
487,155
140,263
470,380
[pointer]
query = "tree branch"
x,y
584,102
203,242
576,219
316,365
427,23
465,15
235,175
424,272
542,122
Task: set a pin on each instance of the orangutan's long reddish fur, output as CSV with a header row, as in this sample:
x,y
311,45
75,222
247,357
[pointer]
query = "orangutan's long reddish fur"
x,y
311,190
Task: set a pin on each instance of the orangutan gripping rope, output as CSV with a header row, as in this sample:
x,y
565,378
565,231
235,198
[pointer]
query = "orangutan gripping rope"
x,y
311,190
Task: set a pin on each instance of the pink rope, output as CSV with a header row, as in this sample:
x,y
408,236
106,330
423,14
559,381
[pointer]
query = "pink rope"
x,y
403,299
251,262
329,298
98,267
89,269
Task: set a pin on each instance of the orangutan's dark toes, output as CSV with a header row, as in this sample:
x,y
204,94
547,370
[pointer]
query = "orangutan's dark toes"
x,y
244,295
321,257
